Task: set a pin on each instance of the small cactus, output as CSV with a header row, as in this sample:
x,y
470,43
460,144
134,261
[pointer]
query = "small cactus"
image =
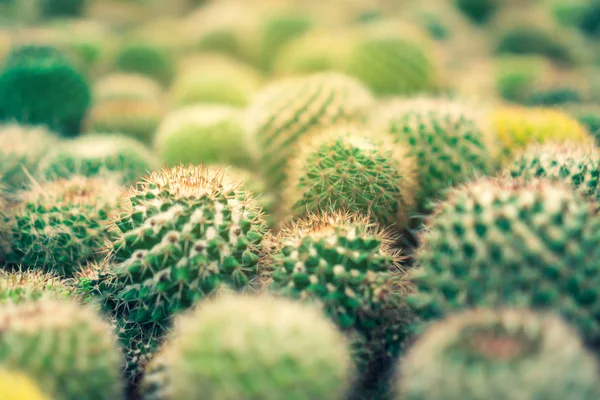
x,y
62,8
75,350
500,354
146,58
23,286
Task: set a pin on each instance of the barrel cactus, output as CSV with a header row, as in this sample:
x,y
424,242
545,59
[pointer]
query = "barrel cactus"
x,y
61,224
21,286
21,148
75,350
114,156
126,86
291,108
354,170
577,166
18,386
203,134
446,137
511,242
146,58
503,354
38,85
274,356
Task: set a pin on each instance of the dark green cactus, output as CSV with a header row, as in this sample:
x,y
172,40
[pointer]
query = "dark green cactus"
x,y
63,8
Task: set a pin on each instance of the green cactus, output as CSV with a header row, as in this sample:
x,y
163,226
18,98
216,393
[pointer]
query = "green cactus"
x,y
203,134
291,108
446,138
21,147
499,354
553,96
147,59
23,286
478,11
518,76
138,118
183,232
62,8
114,156
67,348
578,166
505,242
126,86
242,347
392,66
354,170
530,39
60,225
39,86
348,264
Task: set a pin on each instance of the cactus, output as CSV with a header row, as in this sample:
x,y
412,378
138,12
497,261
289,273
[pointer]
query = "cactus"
x,y
23,286
515,128
21,147
60,225
478,11
354,170
535,40
39,86
575,165
589,21
348,264
114,156
216,80
241,347
17,386
505,242
203,134
67,348
138,118
147,59
501,354
518,76
62,8
288,109
392,66
126,86
182,233
553,97
446,138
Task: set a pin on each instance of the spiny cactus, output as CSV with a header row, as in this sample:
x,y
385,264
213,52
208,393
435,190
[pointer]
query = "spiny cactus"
x,y
21,147
21,286
126,86
145,58
501,354
67,348
60,225
203,134
138,118
39,86
291,108
354,170
347,263
578,166
241,347
114,156
517,127
392,66
18,386
505,242
182,233
446,137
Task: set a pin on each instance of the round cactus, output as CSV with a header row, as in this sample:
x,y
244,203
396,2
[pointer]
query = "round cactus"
x,y
392,66
575,165
75,350
39,86
203,134
345,262
517,127
23,286
240,347
445,137
535,40
62,8
133,117
18,386
21,147
517,76
146,59
522,243
502,354
114,156
60,225
291,108
126,86
182,232
352,170
478,11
